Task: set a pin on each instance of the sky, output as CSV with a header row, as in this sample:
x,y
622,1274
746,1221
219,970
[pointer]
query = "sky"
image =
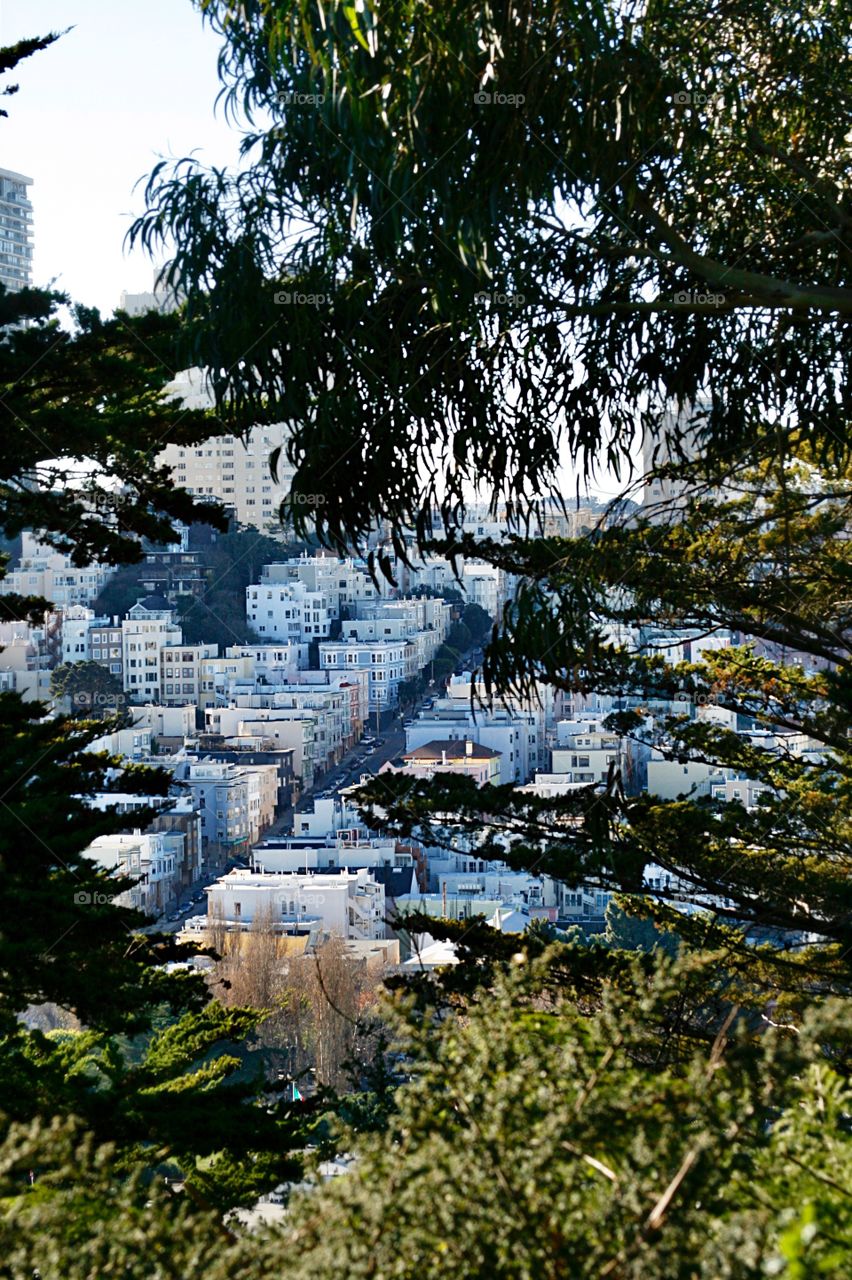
x,y
131,83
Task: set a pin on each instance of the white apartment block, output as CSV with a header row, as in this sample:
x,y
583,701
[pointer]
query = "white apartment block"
x,y
43,571
148,628
153,858
345,584
479,583
164,721
348,904
289,612
283,726
272,663
585,753
229,469
388,662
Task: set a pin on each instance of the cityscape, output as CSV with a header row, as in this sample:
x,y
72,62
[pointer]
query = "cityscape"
x,y
424,662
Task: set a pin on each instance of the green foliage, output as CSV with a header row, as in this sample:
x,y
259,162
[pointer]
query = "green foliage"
x,y
91,689
548,1143
527,227
478,622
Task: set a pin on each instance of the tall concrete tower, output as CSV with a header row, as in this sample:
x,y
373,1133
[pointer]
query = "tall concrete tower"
x,y
16,218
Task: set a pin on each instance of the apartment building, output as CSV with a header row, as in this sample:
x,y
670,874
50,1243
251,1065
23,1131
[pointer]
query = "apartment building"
x,y
289,612
345,904
345,584
236,802
184,674
585,752
229,469
272,663
148,629
16,218
43,571
152,858
179,818
388,663
283,726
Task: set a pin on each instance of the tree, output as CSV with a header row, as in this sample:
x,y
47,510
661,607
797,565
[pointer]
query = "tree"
x,y
151,1065
768,563
525,225
478,622
90,688
544,1146
410,691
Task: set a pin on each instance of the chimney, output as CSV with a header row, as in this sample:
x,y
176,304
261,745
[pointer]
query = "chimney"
x,y
468,747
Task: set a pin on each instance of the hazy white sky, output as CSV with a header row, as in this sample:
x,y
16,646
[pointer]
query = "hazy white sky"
x,y
133,81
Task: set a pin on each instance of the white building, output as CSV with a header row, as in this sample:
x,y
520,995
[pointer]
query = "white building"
x,y
154,858
348,904
148,629
43,571
345,585
289,612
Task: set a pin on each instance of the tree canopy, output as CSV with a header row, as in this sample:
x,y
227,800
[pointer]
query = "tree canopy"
x,y
463,233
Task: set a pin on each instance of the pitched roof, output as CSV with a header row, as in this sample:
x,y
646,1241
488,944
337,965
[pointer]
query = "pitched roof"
x,y
455,749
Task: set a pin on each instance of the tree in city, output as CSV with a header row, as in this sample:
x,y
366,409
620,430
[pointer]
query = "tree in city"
x,y
535,229
410,691
89,688
478,622
86,412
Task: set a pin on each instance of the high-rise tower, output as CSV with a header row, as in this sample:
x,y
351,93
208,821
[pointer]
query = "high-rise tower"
x,y
16,217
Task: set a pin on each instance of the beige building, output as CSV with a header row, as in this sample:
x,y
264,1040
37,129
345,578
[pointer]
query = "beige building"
x,y
228,468
183,674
